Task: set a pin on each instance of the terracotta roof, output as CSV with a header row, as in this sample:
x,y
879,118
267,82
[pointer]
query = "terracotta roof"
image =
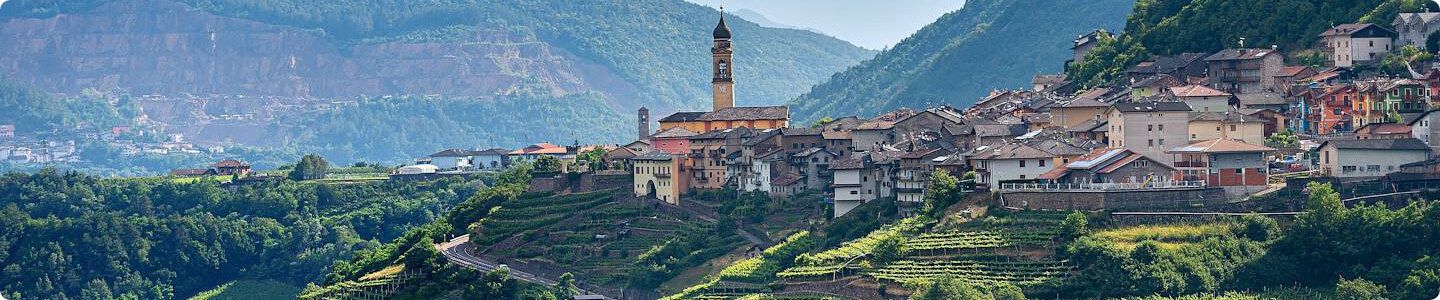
x,y
836,135
492,151
620,153
1241,54
1197,91
1121,163
683,116
847,164
1008,151
1262,98
1384,128
452,153
229,163
1158,80
800,131
673,132
1220,146
1291,71
1352,28
1089,125
1165,64
1152,106
786,179
1048,79
1226,117
747,114
1377,144
654,156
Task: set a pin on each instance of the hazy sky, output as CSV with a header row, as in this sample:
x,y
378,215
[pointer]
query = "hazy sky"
x,y
869,23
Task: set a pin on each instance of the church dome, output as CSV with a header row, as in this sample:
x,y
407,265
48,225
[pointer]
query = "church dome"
x,y
722,31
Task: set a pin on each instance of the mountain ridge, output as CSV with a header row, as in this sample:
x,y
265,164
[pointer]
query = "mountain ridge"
x,y
962,56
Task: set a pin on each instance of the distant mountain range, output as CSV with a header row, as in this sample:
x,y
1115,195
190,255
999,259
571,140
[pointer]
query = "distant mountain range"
x,y
264,58
760,19
988,44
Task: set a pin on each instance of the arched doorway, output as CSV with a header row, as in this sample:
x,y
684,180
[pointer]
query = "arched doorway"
x,y
650,189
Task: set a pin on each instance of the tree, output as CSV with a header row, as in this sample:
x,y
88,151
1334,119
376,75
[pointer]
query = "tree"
x,y
1258,228
593,158
566,286
1359,289
942,192
547,165
948,289
1432,41
1007,291
823,122
1313,59
310,167
888,249
1073,227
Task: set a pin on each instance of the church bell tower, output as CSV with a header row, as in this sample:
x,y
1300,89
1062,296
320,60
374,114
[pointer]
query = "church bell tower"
x,y
723,84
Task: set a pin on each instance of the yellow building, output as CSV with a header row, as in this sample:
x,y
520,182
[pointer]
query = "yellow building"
x,y
1228,125
660,175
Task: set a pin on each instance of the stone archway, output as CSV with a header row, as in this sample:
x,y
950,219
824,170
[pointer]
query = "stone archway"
x,y
650,190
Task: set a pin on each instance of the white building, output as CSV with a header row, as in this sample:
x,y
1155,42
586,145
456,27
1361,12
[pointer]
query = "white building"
x,y
492,159
850,183
1369,158
451,159
1348,44
1413,28
1009,162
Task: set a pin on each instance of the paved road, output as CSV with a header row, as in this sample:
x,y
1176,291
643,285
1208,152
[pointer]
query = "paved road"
x,y
460,251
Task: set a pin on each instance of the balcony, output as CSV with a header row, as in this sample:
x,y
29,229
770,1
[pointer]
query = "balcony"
x,y
910,190
1191,164
1100,187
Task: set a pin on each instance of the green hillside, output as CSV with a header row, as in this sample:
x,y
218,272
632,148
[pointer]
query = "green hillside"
x,y
988,44
661,46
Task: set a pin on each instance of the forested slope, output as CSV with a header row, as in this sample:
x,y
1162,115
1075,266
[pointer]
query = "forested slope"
x,y
988,44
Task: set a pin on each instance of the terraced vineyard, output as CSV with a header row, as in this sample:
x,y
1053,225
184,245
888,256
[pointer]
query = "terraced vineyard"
x,y
973,271
931,243
970,251
534,211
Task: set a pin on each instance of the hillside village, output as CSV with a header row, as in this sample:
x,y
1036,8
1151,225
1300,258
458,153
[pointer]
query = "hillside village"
x,y
1251,172
1209,127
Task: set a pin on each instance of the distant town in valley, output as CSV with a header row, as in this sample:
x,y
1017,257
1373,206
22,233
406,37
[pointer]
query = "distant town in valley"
x,y
1202,153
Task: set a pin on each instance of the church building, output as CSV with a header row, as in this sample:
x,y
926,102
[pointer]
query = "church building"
x,y
724,114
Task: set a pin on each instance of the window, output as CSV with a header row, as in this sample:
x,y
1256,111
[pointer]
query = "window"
x,y
1232,127
1142,163
855,192
1372,168
1042,163
1239,170
1022,163
1162,126
1162,142
1150,143
1149,127
1022,176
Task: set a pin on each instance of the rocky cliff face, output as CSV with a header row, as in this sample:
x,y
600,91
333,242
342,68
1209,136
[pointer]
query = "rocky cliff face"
x,y
167,48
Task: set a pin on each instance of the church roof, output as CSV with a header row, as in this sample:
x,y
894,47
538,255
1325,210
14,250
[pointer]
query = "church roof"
x,y
721,30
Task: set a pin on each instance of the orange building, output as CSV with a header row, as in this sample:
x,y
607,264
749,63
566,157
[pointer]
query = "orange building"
x,y
1337,106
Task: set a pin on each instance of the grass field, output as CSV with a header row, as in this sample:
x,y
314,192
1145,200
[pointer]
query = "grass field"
x,y
1168,236
250,290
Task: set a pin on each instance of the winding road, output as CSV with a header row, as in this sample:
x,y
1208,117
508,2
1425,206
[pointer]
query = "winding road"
x,y
460,251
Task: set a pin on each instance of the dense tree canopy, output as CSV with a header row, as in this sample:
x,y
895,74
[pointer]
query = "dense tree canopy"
x,y
69,235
